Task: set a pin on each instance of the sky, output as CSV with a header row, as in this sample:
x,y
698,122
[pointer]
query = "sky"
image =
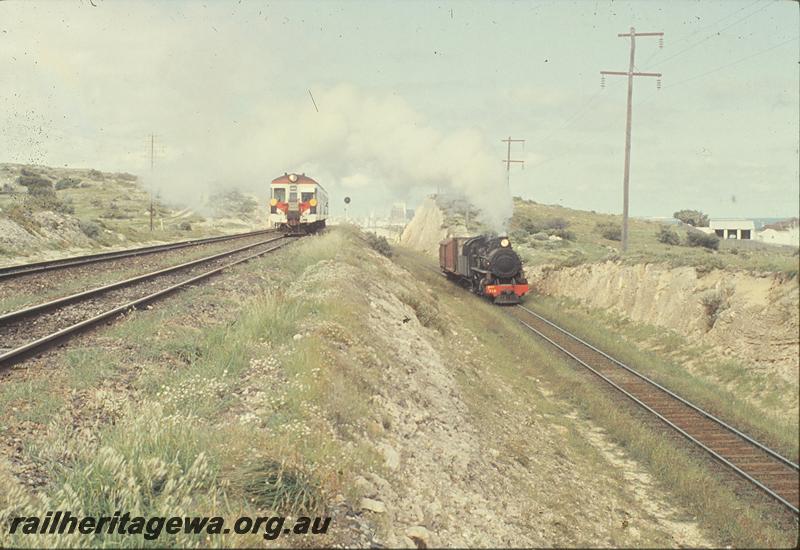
x,y
412,97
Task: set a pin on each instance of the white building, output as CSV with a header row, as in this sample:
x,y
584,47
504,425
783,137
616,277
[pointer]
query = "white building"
x,y
788,237
733,228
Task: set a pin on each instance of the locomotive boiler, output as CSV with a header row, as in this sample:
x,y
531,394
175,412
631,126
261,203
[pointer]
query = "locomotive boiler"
x,y
485,264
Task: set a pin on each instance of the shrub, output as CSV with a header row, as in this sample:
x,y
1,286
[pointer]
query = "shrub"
x,y
114,212
125,176
556,223
551,226
379,244
30,179
575,258
42,190
427,311
609,230
273,485
518,236
47,200
185,226
96,174
540,236
66,183
565,234
706,240
90,229
64,206
694,218
668,236
531,226
715,302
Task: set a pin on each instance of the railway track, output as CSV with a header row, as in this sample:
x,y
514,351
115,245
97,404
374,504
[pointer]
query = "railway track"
x,y
10,272
758,464
33,329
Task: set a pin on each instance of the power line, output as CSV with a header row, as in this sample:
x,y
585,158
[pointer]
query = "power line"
x,y
580,111
681,82
312,100
732,63
710,36
704,27
716,69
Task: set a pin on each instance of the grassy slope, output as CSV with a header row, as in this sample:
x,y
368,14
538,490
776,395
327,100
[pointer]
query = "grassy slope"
x,y
590,246
127,221
679,469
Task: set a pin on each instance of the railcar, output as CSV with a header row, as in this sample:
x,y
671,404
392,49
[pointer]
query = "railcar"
x,y
487,265
298,204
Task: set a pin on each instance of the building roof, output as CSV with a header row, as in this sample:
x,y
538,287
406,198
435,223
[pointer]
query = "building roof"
x,y
732,223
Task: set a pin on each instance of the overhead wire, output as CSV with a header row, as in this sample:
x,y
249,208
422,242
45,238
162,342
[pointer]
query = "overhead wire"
x,y
721,67
577,114
685,37
661,62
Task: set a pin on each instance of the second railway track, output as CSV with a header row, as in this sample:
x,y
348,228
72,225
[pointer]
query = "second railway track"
x,y
18,270
758,464
32,329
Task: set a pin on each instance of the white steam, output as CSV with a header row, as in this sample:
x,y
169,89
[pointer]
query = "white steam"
x,y
375,147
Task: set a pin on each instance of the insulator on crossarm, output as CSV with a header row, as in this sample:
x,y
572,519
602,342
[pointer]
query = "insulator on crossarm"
x,y
658,84
603,81
660,42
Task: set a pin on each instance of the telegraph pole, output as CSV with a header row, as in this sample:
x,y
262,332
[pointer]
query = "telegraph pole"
x,y
508,159
152,177
630,74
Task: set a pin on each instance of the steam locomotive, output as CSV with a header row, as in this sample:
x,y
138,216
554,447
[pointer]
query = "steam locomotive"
x,y
487,265
298,204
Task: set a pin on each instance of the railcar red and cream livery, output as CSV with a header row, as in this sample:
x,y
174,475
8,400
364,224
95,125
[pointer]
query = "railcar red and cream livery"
x,y
298,204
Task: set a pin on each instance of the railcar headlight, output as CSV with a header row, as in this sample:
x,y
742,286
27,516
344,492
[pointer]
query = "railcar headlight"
x,y
504,243
273,202
312,202
292,178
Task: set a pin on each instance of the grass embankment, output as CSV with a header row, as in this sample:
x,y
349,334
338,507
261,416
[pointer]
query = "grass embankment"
x,y
680,470
161,416
765,415
587,243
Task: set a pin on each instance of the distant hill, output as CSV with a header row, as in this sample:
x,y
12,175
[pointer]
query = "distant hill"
x,y
54,211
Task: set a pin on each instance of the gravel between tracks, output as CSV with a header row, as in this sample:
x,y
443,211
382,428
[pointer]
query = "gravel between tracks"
x,y
17,333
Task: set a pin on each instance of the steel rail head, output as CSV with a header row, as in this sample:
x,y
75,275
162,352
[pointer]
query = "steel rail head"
x,y
680,430
19,270
10,357
39,308
652,382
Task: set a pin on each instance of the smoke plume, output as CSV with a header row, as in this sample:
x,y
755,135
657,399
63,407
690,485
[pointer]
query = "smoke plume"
x,y
375,148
